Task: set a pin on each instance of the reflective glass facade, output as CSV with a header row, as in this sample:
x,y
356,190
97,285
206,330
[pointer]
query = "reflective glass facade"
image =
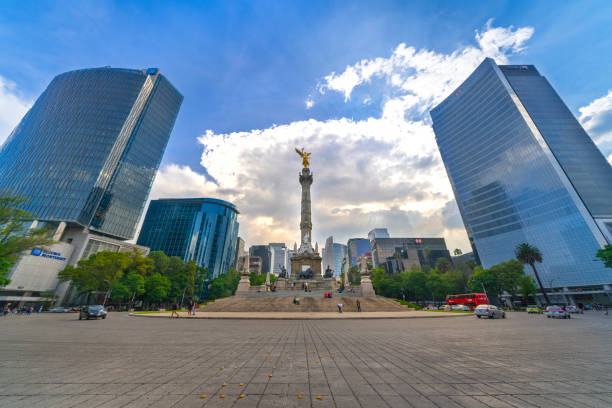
x,y
357,247
204,230
88,150
523,170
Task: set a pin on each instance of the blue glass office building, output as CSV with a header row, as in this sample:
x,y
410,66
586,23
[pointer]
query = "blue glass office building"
x,y
204,230
87,152
357,247
524,170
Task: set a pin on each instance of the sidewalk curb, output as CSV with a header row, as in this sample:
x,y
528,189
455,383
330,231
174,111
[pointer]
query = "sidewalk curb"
x,y
308,316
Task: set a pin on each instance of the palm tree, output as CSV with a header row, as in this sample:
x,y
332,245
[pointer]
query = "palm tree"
x,y
528,254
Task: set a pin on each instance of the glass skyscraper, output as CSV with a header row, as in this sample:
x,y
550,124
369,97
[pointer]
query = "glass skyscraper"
x,y
87,152
357,247
333,256
524,170
204,230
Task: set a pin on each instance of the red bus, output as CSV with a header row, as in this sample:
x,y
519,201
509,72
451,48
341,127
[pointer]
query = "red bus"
x,y
469,299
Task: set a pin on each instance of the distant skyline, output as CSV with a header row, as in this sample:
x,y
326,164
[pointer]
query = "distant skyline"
x,y
353,83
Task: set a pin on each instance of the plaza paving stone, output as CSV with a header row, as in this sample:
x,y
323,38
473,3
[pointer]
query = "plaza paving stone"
x,y
55,360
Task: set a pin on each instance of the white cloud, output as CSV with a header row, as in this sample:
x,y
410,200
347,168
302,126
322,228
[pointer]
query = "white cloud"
x,y
309,103
377,172
12,108
596,118
425,74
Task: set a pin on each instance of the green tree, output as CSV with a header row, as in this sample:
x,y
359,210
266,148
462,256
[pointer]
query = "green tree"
x,y
160,262
454,282
487,279
470,263
414,284
257,279
509,275
605,254
435,286
135,284
120,292
457,252
139,264
529,255
157,287
225,284
527,288
443,265
98,273
15,235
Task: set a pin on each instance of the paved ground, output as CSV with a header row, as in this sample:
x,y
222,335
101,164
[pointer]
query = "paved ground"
x,y
311,315
522,361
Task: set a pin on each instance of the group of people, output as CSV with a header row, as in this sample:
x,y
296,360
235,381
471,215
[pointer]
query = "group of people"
x,y
21,310
357,303
191,309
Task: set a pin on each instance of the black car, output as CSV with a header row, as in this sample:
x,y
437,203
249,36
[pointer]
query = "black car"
x,y
92,312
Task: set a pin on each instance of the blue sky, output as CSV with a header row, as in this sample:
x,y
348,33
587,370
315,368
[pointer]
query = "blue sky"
x,y
245,66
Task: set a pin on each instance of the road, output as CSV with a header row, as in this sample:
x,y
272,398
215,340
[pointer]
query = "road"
x,y
55,360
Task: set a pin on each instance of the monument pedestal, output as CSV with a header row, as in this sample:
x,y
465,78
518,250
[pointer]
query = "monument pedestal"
x,y
367,290
244,286
311,260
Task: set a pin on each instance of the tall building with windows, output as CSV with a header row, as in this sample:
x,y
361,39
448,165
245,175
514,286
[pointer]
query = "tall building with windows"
x,y
378,233
278,259
333,256
239,254
85,156
263,252
400,254
357,247
524,170
204,230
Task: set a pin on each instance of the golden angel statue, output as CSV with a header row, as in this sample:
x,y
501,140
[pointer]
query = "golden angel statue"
x,y
304,155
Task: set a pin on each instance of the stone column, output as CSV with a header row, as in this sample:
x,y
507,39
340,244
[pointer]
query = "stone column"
x,y
244,286
306,220
59,231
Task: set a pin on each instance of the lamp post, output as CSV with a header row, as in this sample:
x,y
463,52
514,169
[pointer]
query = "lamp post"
x,y
107,292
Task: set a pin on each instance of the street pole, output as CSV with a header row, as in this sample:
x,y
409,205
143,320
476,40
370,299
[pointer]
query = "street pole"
x,y
106,294
484,290
183,297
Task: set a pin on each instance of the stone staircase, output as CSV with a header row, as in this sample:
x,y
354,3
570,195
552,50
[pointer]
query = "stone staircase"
x,y
267,303
297,293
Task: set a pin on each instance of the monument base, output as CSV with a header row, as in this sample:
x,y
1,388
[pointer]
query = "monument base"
x,y
313,261
367,290
244,286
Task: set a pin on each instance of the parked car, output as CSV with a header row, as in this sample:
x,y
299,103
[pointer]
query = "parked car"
x,y
557,312
430,307
460,308
446,308
489,311
92,312
533,309
573,309
59,310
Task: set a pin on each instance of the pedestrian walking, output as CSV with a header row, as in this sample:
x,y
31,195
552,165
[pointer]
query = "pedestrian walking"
x,y
358,305
193,308
340,307
174,311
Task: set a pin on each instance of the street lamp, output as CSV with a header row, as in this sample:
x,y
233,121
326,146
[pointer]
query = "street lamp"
x,y
107,292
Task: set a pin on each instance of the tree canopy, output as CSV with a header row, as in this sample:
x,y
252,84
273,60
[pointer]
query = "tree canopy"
x,y
155,279
15,235
605,254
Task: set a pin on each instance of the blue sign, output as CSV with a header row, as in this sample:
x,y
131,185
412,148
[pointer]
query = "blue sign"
x,y
48,254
